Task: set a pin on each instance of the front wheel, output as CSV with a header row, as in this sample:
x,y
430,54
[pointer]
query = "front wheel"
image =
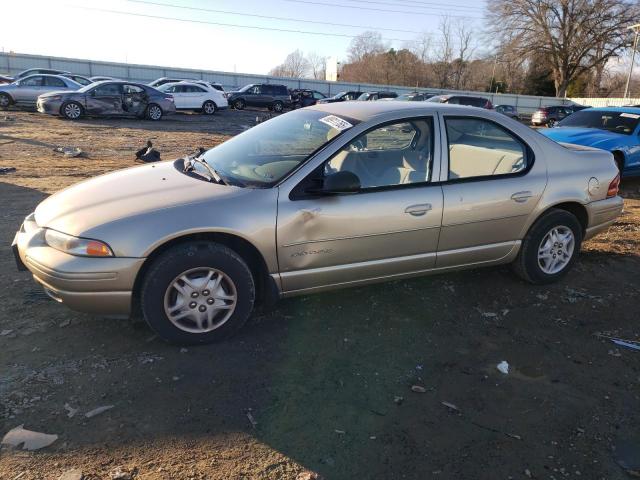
x,y
154,112
5,101
551,123
239,104
197,293
71,110
278,107
209,108
550,248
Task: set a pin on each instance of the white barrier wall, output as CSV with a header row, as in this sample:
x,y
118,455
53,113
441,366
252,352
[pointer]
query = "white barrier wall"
x,y
606,102
12,63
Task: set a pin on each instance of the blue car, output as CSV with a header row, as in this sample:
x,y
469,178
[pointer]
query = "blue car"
x,y
615,129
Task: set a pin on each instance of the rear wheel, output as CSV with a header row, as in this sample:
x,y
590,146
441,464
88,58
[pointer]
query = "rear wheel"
x,y
551,123
154,112
209,108
550,248
197,293
71,110
5,101
278,106
239,104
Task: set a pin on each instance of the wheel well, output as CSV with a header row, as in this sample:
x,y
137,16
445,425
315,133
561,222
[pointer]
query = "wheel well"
x,y
578,211
242,247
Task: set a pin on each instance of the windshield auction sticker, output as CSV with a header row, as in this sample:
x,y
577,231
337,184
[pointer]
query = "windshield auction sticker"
x,y
336,122
626,115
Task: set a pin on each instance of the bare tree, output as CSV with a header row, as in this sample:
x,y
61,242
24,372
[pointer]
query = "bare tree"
x,y
443,54
576,35
366,44
294,66
464,50
317,65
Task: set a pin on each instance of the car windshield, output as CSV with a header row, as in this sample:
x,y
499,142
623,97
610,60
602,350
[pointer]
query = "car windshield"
x,y
246,87
618,122
266,153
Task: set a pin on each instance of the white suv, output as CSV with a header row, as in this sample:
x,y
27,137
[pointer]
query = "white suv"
x,y
195,96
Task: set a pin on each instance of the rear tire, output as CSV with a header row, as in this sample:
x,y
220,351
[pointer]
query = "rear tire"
x,y
5,101
278,107
209,108
545,256
179,311
153,112
551,123
71,110
239,104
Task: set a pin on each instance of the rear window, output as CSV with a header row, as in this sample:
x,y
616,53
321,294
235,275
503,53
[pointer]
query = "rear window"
x,y
612,121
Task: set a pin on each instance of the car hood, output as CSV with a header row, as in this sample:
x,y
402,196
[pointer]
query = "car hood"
x,y
56,93
591,137
124,194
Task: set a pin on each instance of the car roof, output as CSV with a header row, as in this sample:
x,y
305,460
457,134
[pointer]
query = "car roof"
x,y
365,111
618,109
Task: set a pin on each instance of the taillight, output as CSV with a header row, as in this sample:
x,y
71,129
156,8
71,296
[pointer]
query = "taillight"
x,y
614,186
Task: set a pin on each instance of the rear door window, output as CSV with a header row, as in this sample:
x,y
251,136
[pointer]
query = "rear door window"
x,y
480,148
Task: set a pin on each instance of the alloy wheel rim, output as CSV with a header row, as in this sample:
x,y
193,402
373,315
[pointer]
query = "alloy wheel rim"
x,y
200,300
209,108
277,107
4,101
154,112
72,110
556,249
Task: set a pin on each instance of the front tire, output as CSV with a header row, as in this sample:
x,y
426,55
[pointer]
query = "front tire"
x,y
239,104
71,110
550,248
278,107
197,293
5,101
153,112
551,123
209,107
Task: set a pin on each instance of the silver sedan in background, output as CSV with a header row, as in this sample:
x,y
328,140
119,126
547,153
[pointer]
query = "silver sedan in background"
x,y
109,98
25,92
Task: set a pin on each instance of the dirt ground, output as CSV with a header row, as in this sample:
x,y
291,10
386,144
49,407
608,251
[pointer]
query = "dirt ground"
x,y
322,384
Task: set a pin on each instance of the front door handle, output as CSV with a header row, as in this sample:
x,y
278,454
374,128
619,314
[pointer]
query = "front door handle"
x,y
418,210
521,197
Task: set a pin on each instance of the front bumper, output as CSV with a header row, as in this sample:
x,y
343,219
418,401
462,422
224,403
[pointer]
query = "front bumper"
x,y
602,214
49,107
100,286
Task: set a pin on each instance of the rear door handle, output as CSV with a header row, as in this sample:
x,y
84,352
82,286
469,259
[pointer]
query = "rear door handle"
x,y
521,197
418,210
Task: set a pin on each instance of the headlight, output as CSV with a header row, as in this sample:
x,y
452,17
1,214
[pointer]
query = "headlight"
x,y
55,97
85,247
29,223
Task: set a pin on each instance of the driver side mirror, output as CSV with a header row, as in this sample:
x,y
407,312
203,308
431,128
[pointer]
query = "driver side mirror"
x,y
340,182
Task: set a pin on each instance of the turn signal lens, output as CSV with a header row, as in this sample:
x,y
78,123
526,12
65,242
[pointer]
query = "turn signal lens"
x,y
84,247
614,186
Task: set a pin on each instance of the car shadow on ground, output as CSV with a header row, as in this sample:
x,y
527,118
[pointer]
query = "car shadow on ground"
x,y
328,382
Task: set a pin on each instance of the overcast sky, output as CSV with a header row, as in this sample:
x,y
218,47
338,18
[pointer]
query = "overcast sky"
x,y
92,29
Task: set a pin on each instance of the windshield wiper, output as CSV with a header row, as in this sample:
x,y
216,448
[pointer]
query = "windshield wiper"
x,y
196,157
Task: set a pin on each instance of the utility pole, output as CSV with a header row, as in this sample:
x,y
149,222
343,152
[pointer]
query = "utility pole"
x,y
633,57
493,75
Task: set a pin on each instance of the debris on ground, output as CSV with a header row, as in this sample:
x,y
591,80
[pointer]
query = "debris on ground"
x,y
398,400
252,420
148,153
308,476
450,406
69,151
98,411
503,367
29,440
120,473
418,389
628,344
72,474
4,333
70,410
5,170
340,432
